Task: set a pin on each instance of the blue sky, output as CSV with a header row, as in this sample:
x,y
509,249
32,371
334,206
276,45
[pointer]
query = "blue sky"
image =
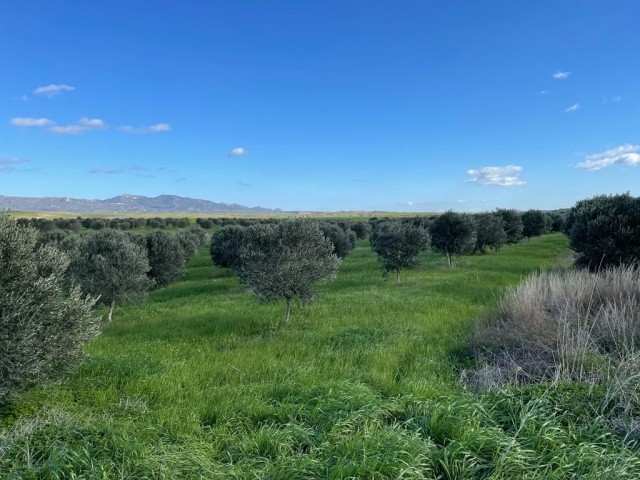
x,y
322,105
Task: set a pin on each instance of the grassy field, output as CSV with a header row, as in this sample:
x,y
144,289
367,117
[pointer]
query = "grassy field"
x,y
195,383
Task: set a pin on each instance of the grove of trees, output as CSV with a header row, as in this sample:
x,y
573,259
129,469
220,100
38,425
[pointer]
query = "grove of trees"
x,y
51,276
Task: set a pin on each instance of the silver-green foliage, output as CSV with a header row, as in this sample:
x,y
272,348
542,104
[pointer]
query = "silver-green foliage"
x,y
167,257
398,245
107,263
226,244
453,233
490,231
285,261
42,328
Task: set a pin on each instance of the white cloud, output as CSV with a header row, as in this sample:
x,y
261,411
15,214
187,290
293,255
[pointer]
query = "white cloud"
x,y
544,92
560,75
160,127
31,122
91,122
68,129
157,128
85,124
508,176
616,98
53,90
237,152
622,155
572,108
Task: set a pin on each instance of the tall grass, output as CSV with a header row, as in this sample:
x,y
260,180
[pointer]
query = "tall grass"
x,y
557,322
564,326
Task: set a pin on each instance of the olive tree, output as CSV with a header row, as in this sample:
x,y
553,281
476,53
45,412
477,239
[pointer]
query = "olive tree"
x,y
226,244
489,232
361,229
604,231
533,223
167,257
43,327
342,242
106,263
285,261
398,245
512,224
452,234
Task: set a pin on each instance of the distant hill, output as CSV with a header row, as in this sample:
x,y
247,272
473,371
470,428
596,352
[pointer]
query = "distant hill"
x,y
125,204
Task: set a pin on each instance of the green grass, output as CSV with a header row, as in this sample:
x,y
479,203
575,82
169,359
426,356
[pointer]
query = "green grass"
x,y
195,383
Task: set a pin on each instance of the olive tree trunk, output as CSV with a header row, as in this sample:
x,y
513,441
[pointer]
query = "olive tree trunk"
x,y
288,311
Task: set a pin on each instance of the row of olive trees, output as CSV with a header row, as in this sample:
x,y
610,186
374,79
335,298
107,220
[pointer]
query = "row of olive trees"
x,y
281,261
398,243
119,267
99,223
47,292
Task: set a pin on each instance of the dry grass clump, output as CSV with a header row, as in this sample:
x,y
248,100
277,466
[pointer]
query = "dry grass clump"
x,y
571,325
564,325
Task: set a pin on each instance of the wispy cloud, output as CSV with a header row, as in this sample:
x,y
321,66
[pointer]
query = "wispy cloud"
x,y
12,161
616,98
52,90
31,122
8,165
238,152
544,92
508,176
560,75
157,128
622,155
84,124
572,108
105,171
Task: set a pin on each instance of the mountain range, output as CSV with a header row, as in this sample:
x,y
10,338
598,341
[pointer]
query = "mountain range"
x,y
125,204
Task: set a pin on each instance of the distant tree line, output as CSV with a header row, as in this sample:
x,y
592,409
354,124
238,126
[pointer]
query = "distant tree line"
x,y
100,223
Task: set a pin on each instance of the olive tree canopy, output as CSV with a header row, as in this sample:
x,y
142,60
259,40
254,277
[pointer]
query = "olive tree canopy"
x,y
42,327
604,231
452,234
398,245
107,263
285,261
